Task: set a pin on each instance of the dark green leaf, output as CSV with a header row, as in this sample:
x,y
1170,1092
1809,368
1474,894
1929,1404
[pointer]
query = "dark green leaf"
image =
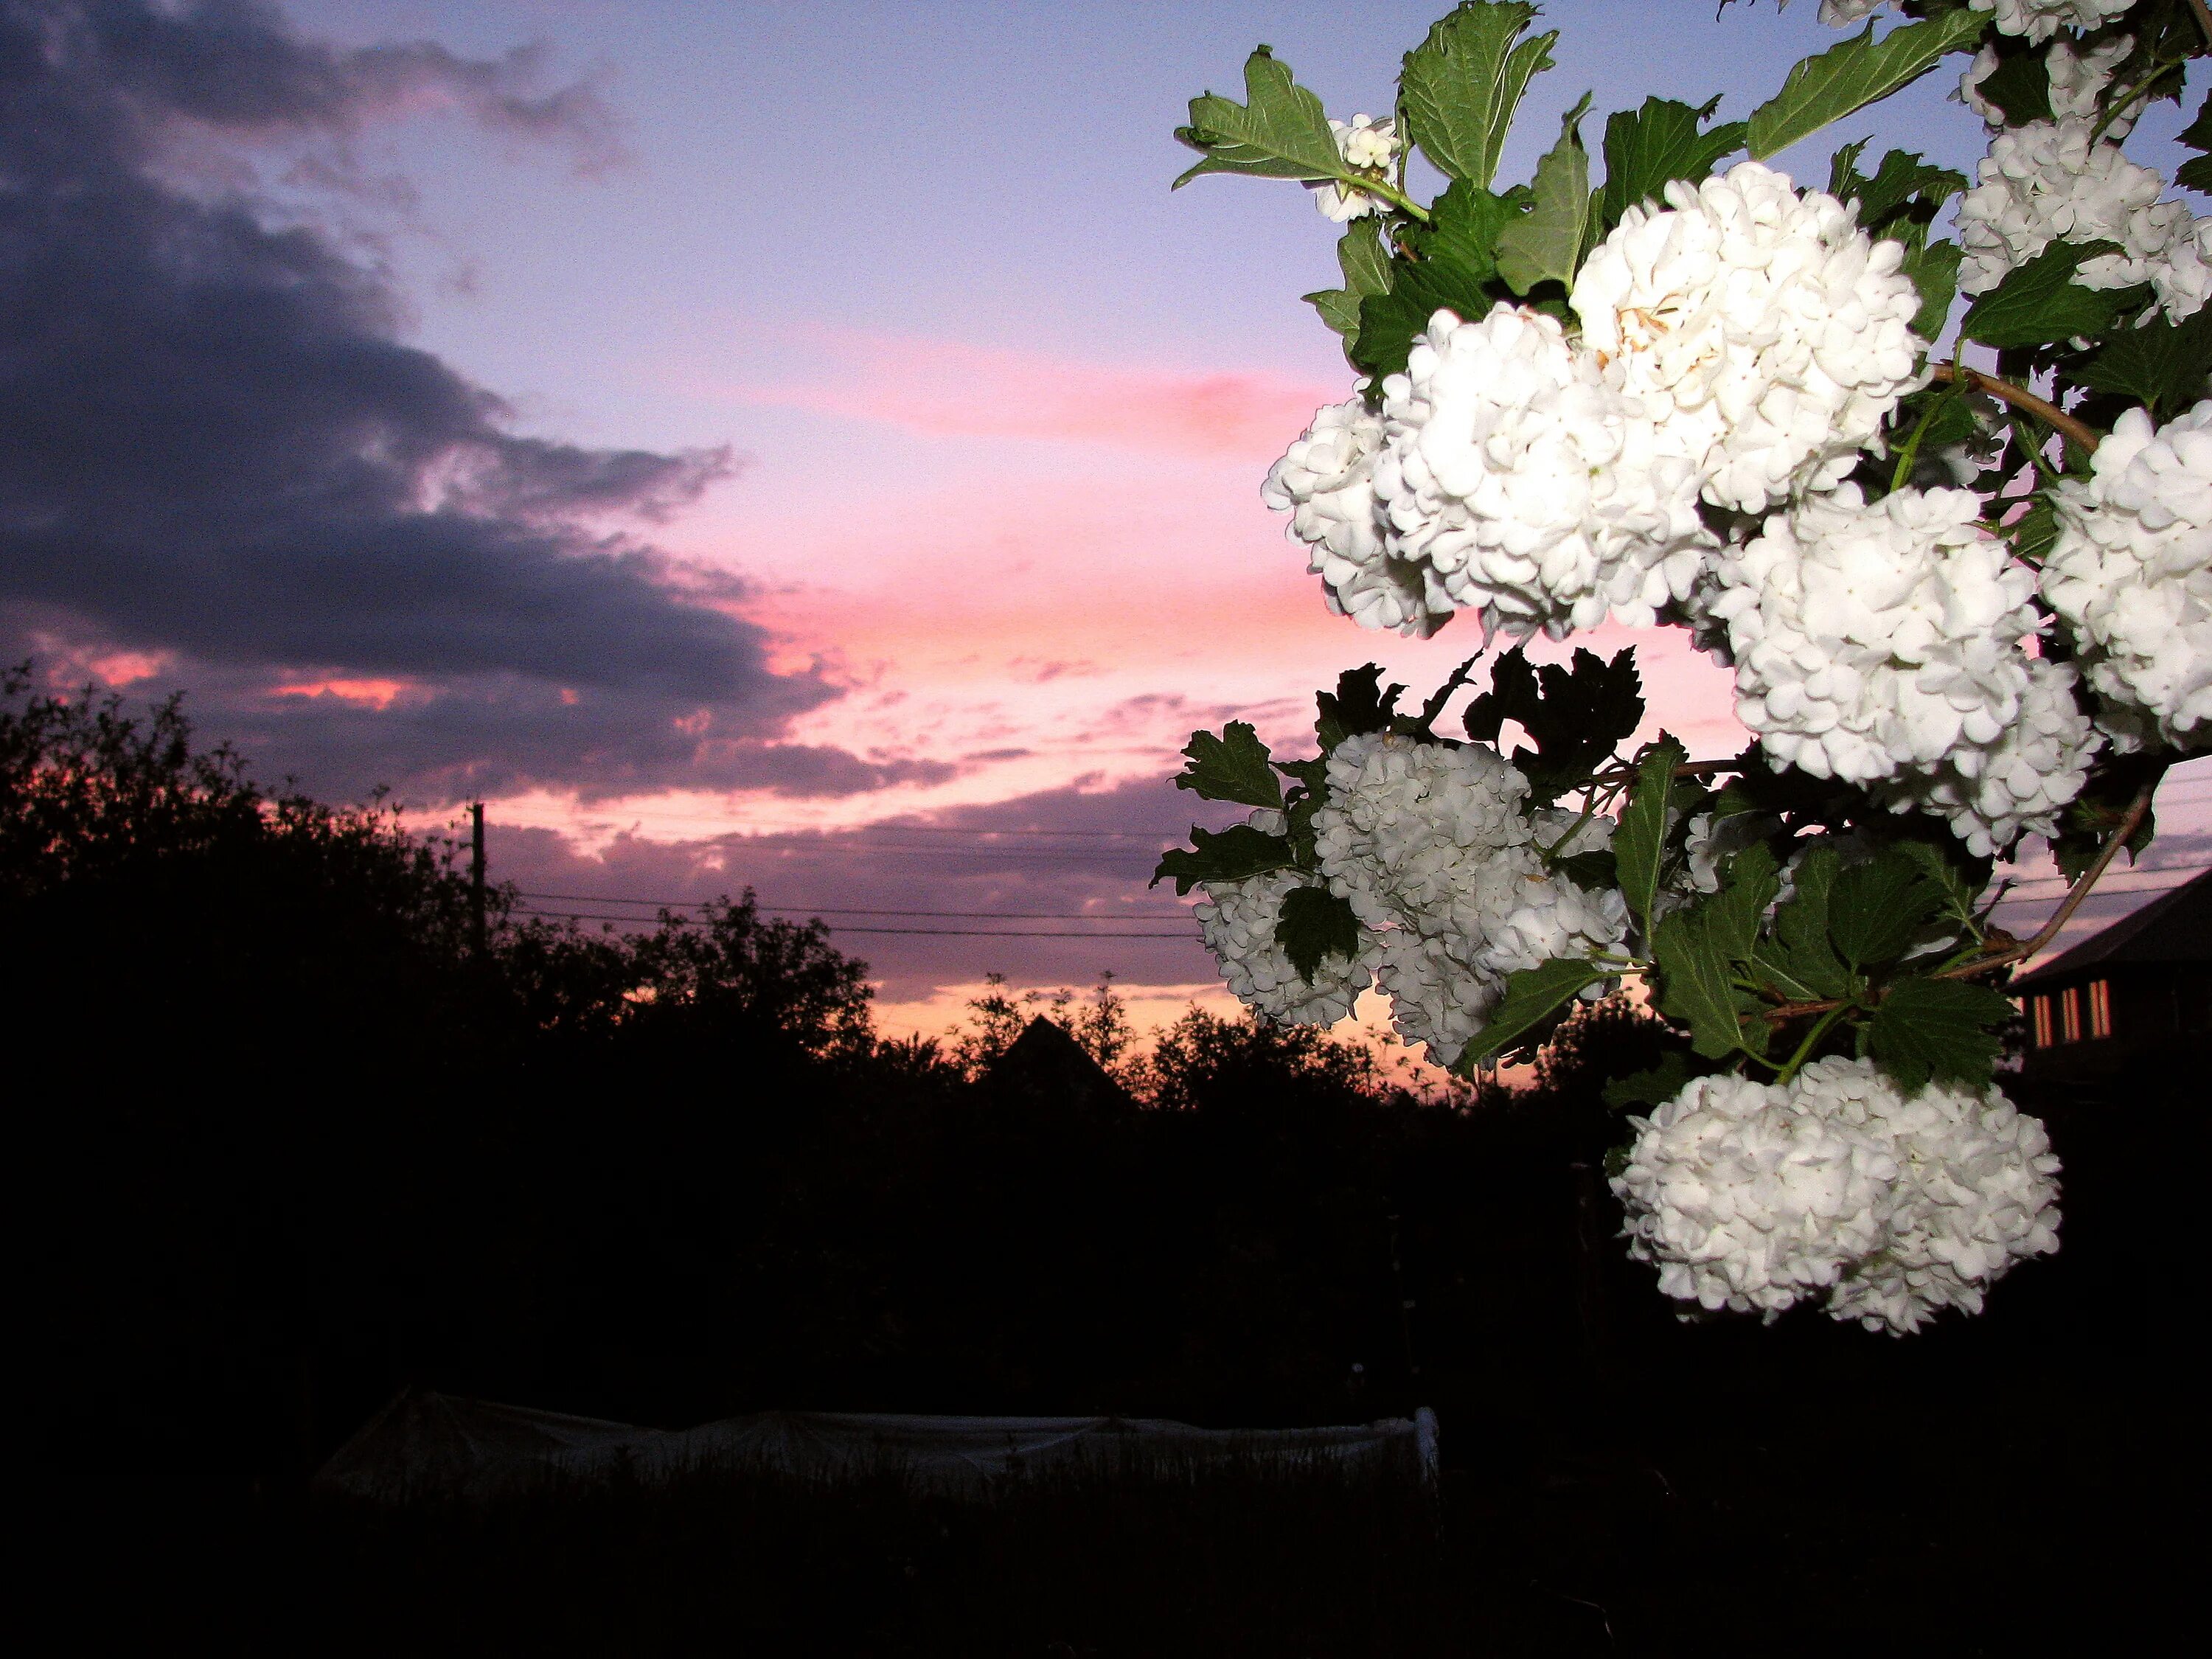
x,y
1877,907
2034,530
2040,302
1233,854
1365,263
1695,984
1533,998
1903,179
2195,173
1315,924
2020,85
1639,840
1454,268
1576,716
1546,243
1845,178
1279,131
1359,704
1863,70
1460,87
1799,958
1937,1027
1654,1087
1231,767
1934,269
2159,364
1593,872
1647,149
1748,885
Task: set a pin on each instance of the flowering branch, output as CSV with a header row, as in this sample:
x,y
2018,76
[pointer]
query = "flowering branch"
x,y
2021,398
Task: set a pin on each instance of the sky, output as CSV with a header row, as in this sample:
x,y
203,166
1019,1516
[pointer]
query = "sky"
x,y
806,446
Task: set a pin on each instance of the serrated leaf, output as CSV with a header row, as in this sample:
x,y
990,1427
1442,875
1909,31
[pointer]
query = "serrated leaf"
x,y
1232,767
1862,70
2040,302
2034,530
1455,268
2020,85
1648,148
1799,958
1359,703
1875,908
1533,996
1546,243
1575,716
1338,308
1902,178
1460,87
1365,263
1639,839
1748,885
1279,131
2160,364
1695,985
2195,173
1652,1087
1237,853
1593,872
1937,1027
1844,176
1314,925
1933,270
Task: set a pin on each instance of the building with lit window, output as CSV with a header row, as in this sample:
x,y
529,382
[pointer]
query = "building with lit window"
x,y
2137,993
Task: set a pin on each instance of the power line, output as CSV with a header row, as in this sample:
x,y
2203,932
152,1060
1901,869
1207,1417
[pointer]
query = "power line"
x,y
859,910
933,933
761,830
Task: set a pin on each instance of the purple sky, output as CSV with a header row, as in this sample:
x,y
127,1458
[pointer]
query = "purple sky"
x,y
879,437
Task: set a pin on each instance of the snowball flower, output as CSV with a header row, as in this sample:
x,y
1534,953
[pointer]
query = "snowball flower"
x,y
1883,640
1764,334
1525,487
1365,144
2039,19
2078,80
1752,1197
1237,922
2130,571
1326,482
2050,181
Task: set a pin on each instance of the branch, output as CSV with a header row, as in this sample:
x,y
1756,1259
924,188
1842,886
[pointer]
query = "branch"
x,y
1694,769
2203,19
2021,398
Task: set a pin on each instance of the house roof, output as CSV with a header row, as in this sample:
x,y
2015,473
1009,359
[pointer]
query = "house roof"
x,y
2174,927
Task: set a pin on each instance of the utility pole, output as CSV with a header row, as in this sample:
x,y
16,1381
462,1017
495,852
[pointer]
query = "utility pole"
x,y
476,879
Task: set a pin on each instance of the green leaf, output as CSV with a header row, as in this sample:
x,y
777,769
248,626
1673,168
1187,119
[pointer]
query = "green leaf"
x,y
1654,1087
2040,302
1233,854
1460,87
1937,1027
1546,243
1315,924
1863,70
1593,872
1639,839
1695,984
1934,269
1577,716
1365,263
1279,131
1648,148
1358,704
1533,997
1748,885
2162,365
2020,85
2034,530
1454,268
1903,180
1231,767
1877,907
1799,959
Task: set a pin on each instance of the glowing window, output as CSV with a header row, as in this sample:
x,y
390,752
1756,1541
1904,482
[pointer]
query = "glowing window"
x,y
2100,1008
2069,1014
2041,1005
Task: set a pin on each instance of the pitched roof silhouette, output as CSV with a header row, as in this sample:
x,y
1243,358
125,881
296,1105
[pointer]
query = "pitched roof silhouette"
x,y
2174,929
1046,1061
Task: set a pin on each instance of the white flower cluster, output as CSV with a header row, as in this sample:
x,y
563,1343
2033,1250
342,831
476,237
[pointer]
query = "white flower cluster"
x,y
2053,181
2131,572
1326,482
1752,1197
1432,846
2078,80
1883,642
1367,144
1237,922
1764,334
2039,19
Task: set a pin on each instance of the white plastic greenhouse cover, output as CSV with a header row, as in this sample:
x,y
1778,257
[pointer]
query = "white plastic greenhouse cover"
x,y
434,1446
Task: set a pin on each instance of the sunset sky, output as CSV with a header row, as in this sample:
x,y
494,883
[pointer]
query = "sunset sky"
x,y
745,443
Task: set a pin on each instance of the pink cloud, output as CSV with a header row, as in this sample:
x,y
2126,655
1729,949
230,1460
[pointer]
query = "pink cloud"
x,y
950,388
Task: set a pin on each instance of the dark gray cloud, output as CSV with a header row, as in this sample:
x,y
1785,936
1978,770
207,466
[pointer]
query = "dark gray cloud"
x,y
215,445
